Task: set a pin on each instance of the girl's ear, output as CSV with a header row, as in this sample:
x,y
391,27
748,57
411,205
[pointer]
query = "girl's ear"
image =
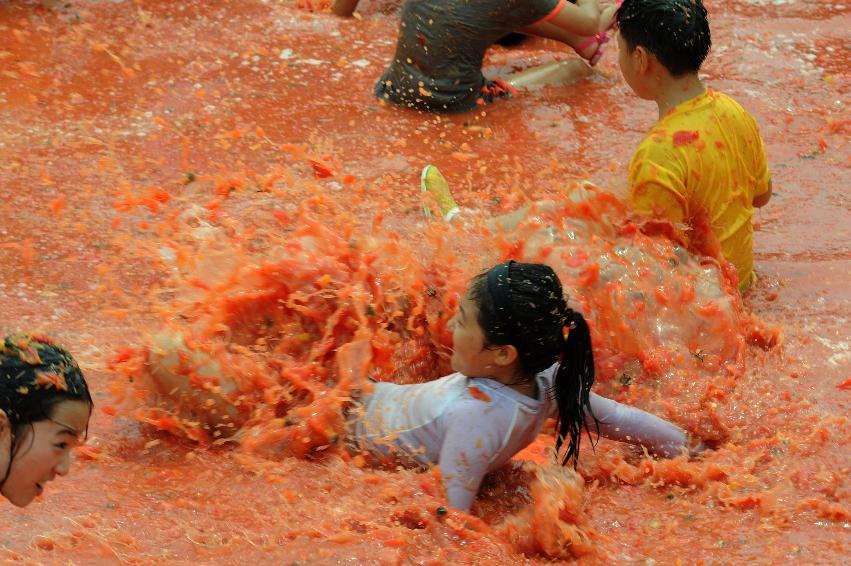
x,y
5,446
505,355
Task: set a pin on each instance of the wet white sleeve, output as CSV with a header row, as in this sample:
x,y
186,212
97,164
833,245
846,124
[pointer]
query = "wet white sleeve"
x,y
470,445
634,426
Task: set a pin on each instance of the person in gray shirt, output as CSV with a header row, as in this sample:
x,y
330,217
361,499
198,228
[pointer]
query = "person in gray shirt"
x,y
442,43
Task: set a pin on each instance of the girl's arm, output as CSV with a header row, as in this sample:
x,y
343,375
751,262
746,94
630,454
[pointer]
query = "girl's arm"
x,y
468,449
634,426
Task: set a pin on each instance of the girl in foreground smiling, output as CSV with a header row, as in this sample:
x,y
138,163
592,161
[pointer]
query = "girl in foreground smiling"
x,y
44,411
522,356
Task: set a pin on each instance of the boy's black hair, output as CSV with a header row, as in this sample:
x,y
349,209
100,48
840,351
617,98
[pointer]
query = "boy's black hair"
x,y
675,31
523,304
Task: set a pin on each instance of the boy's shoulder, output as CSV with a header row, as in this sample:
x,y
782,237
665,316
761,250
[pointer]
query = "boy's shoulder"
x,y
711,105
725,109
694,119
726,117
735,111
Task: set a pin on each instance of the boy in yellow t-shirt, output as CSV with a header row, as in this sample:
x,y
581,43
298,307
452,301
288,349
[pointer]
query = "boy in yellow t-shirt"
x,y
703,164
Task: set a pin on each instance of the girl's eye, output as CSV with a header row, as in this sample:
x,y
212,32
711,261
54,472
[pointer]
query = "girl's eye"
x,y
62,445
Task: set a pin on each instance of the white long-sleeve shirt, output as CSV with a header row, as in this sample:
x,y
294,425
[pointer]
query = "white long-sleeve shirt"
x,y
473,426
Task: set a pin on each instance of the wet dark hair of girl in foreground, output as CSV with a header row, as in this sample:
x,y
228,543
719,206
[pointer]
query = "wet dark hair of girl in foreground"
x,y
37,380
523,304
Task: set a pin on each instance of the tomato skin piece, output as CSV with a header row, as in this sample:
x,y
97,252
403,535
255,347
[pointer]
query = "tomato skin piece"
x,y
479,394
320,170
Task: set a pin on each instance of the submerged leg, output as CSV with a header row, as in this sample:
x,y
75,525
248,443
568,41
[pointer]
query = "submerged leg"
x,y
173,365
550,31
589,48
555,73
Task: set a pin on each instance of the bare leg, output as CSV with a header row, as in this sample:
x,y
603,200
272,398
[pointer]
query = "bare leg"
x,y
344,8
585,46
172,362
555,73
564,71
509,221
549,31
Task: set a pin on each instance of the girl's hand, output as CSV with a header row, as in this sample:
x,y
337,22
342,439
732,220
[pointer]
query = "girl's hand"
x,y
695,446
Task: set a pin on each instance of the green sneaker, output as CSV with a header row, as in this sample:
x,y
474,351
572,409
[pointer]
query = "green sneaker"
x,y
432,181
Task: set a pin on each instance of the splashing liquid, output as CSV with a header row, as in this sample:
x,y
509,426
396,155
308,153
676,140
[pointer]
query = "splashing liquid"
x,y
213,188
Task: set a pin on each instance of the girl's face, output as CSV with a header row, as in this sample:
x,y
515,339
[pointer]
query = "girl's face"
x,y
469,355
44,451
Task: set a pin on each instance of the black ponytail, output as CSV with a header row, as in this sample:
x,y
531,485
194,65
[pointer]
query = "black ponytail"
x,y
523,304
572,387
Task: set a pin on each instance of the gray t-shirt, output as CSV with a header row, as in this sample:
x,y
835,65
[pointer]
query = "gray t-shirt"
x,y
441,46
471,426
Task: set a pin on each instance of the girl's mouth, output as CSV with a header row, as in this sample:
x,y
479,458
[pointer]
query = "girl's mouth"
x,y
39,489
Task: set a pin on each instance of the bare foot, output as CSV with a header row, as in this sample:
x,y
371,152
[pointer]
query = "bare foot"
x,y
607,18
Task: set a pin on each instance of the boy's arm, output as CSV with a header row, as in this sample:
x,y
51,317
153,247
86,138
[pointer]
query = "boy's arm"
x,y
658,200
657,178
761,200
659,193
344,8
762,176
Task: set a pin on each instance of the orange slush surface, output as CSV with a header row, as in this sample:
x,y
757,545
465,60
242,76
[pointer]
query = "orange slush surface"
x,y
221,171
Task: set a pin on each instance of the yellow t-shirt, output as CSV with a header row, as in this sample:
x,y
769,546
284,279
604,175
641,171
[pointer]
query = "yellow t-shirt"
x,y
704,156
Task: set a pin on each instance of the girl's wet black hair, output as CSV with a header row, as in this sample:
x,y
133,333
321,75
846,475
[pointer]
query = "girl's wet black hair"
x,y
35,376
523,304
675,31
